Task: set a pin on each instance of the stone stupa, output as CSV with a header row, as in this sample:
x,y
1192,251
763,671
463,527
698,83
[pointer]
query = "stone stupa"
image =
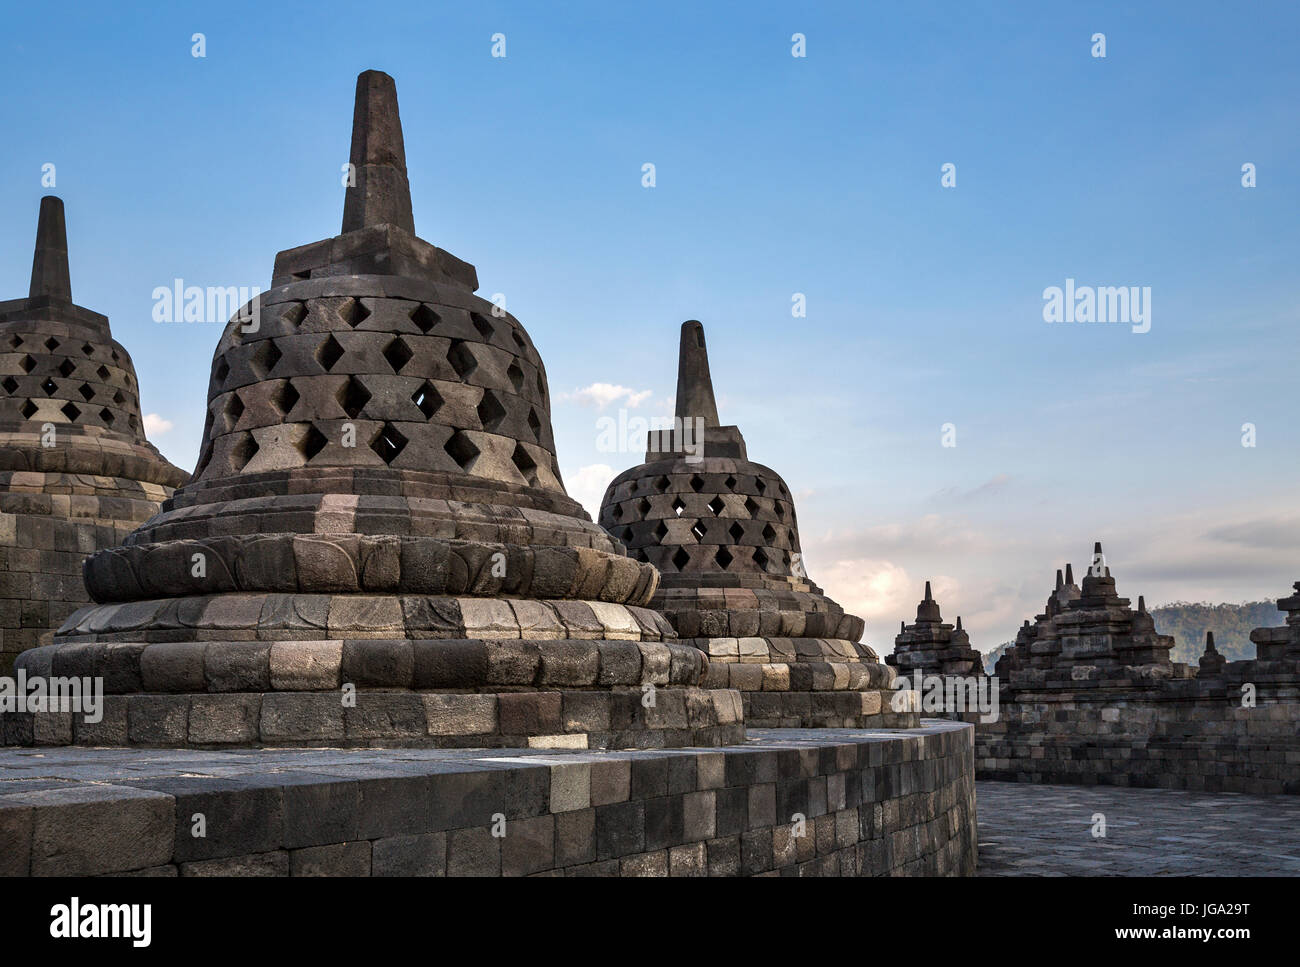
x,y
76,472
723,534
934,647
1089,628
376,548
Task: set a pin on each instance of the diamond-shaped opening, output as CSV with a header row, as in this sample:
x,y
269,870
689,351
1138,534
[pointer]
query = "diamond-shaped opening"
x,y
353,397
661,531
461,358
697,483
782,490
643,508
627,534
107,416
330,352
482,325
398,354
28,410
780,510
661,484
27,364
88,349
388,443
118,398
264,358
490,411
86,392
760,559
730,483
70,411
535,425
717,505
285,398
116,357
736,531
698,530
51,344
681,558
785,558
516,376
678,506
133,422
220,374
461,449
424,318
15,341
723,557
294,315
541,386
519,340
235,408
67,368
312,443
426,398
760,486
524,462
751,505
617,512
10,384
354,313
49,386
769,534
243,451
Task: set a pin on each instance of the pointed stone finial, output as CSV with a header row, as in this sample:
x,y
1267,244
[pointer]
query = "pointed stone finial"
x,y
1026,623
1060,581
694,384
1142,604
958,628
381,192
1096,548
902,627
1209,643
1069,574
50,277
927,591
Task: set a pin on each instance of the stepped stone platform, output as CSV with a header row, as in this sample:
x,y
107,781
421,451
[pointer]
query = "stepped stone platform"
x,y
722,532
76,472
1090,696
872,803
376,547
933,647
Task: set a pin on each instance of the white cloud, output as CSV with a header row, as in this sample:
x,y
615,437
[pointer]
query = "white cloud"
x,y
587,486
601,395
155,425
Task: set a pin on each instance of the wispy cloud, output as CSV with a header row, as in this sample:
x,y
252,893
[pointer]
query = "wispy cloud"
x,y
601,395
587,486
155,425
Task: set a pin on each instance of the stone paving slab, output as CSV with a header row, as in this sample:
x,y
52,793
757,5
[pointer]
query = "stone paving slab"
x,y
1041,830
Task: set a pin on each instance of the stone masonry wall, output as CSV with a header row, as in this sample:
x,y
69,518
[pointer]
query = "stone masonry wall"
x,y
875,804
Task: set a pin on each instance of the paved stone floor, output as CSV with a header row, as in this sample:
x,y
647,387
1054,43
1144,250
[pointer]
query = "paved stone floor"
x,y
1039,830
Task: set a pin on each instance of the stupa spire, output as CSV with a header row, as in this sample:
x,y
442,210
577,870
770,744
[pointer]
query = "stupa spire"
x,y
50,277
380,193
694,384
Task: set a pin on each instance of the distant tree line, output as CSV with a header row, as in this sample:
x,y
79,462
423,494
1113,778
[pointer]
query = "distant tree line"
x,y
1188,622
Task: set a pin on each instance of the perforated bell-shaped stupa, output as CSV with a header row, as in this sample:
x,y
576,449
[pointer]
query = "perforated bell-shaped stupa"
x,y
76,472
722,532
377,548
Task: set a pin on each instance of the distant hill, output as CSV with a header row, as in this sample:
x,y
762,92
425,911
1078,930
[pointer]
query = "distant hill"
x,y
1188,623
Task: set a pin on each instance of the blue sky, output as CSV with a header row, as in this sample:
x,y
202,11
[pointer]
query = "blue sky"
x,y
774,175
